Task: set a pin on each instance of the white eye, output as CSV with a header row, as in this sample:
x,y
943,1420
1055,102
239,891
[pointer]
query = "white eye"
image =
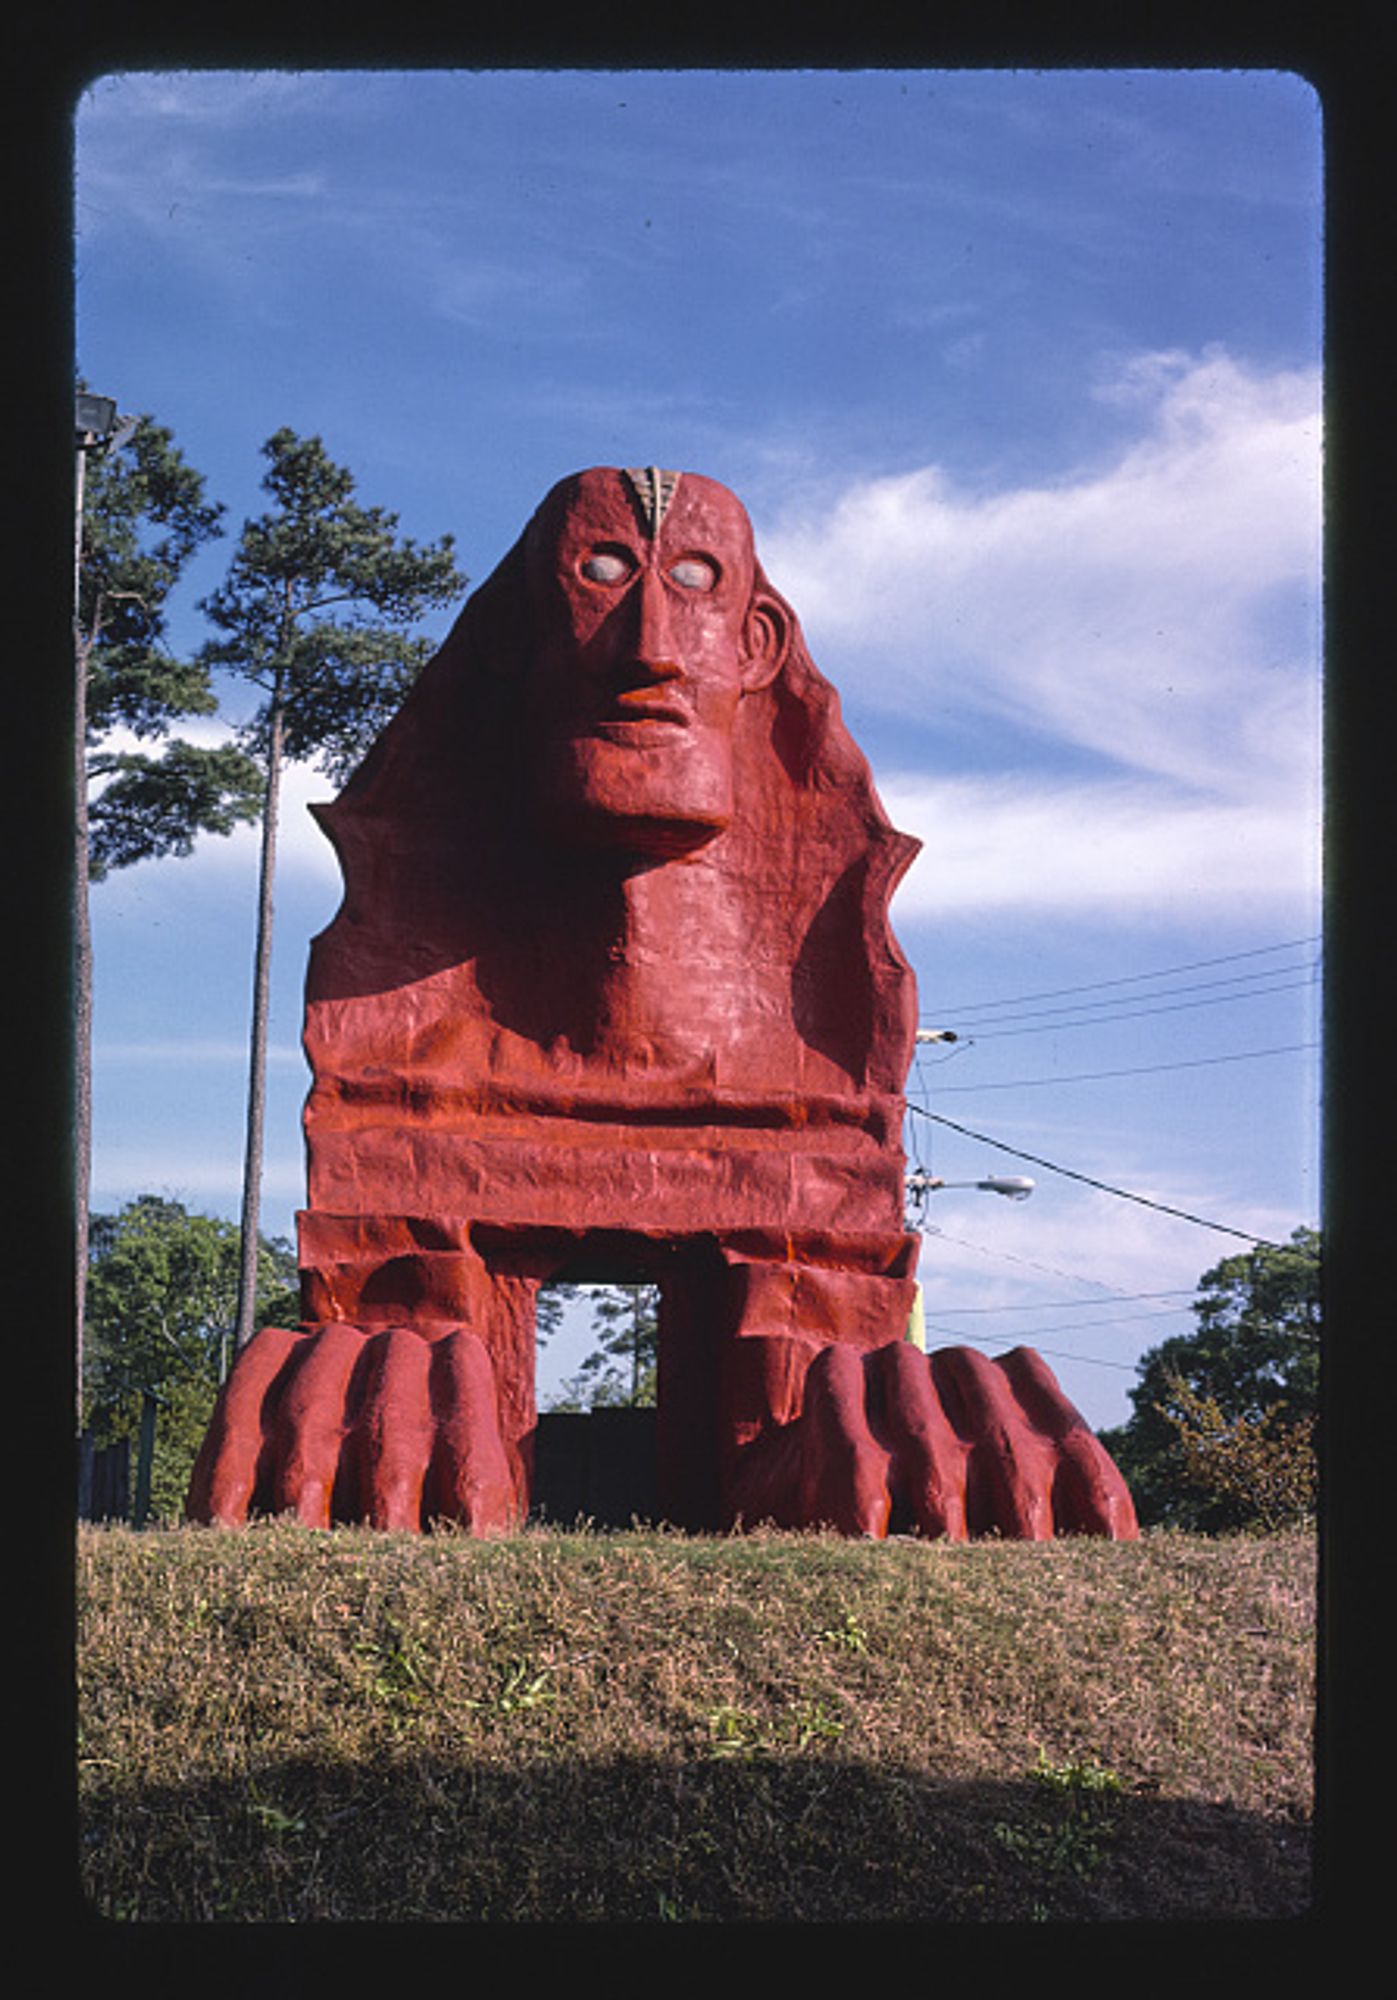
x,y
694,572
606,566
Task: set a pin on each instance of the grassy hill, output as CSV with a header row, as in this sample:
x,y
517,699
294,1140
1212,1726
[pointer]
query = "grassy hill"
x,y
288,1726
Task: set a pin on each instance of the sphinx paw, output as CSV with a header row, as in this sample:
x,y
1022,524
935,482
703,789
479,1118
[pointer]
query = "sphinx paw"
x,y
344,1424
951,1444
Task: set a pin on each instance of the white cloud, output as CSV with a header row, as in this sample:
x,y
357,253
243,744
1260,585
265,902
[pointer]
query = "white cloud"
x,y
140,103
302,848
1125,848
1158,612
1123,611
182,1053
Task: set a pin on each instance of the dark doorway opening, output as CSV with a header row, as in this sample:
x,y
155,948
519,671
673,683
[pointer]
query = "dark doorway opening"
x,y
598,1463
595,1465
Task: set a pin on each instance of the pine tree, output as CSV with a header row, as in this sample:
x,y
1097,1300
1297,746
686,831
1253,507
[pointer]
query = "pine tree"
x,y
141,516
621,1369
316,612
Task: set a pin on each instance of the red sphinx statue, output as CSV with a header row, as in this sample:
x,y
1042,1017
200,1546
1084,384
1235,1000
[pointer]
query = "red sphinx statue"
x,y
612,995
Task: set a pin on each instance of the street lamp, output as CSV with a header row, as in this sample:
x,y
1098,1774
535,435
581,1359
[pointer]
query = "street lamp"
x,y
96,427
96,424
1014,1187
1017,1187
94,418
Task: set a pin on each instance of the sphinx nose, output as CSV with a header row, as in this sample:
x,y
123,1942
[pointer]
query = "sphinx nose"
x,y
653,638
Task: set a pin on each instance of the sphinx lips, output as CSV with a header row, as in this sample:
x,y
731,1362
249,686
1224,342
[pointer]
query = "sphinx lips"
x,y
628,713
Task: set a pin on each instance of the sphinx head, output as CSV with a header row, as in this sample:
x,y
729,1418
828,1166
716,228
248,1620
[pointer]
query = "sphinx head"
x,y
652,623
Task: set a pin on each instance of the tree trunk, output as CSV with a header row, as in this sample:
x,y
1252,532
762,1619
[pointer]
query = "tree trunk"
x,y
261,1003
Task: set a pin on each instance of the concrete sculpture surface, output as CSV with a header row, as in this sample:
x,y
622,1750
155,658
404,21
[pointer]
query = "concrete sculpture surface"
x,y
612,994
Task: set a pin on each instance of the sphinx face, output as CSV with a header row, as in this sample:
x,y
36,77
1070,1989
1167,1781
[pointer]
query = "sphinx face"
x,y
648,637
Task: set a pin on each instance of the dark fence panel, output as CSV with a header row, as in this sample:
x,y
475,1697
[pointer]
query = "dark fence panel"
x,y
599,1464
104,1480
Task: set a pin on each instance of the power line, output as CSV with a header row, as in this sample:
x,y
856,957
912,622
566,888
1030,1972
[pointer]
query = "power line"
x,y
1054,1353
1071,1174
1106,1324
1129,978
1166,992
1102,1075
998,1029
1107,1299
1028,1333
1061,1305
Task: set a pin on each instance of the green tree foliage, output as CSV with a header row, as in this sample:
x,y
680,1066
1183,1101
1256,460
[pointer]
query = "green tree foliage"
x,y
551,1310
316,613
155,806
161,1297
620,1371
1254,1473
144,517
1222,1434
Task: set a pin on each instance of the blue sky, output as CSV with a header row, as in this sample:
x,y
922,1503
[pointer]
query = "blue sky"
x,y
1018,376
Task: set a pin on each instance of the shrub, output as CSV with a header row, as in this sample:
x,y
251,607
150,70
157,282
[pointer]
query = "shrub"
x,y
1250,1473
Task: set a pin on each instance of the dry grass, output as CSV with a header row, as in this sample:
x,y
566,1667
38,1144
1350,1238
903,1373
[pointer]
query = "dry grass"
x,y
283,1725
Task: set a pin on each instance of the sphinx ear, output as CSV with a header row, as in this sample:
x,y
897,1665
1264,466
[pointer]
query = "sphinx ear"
x,y
766,638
